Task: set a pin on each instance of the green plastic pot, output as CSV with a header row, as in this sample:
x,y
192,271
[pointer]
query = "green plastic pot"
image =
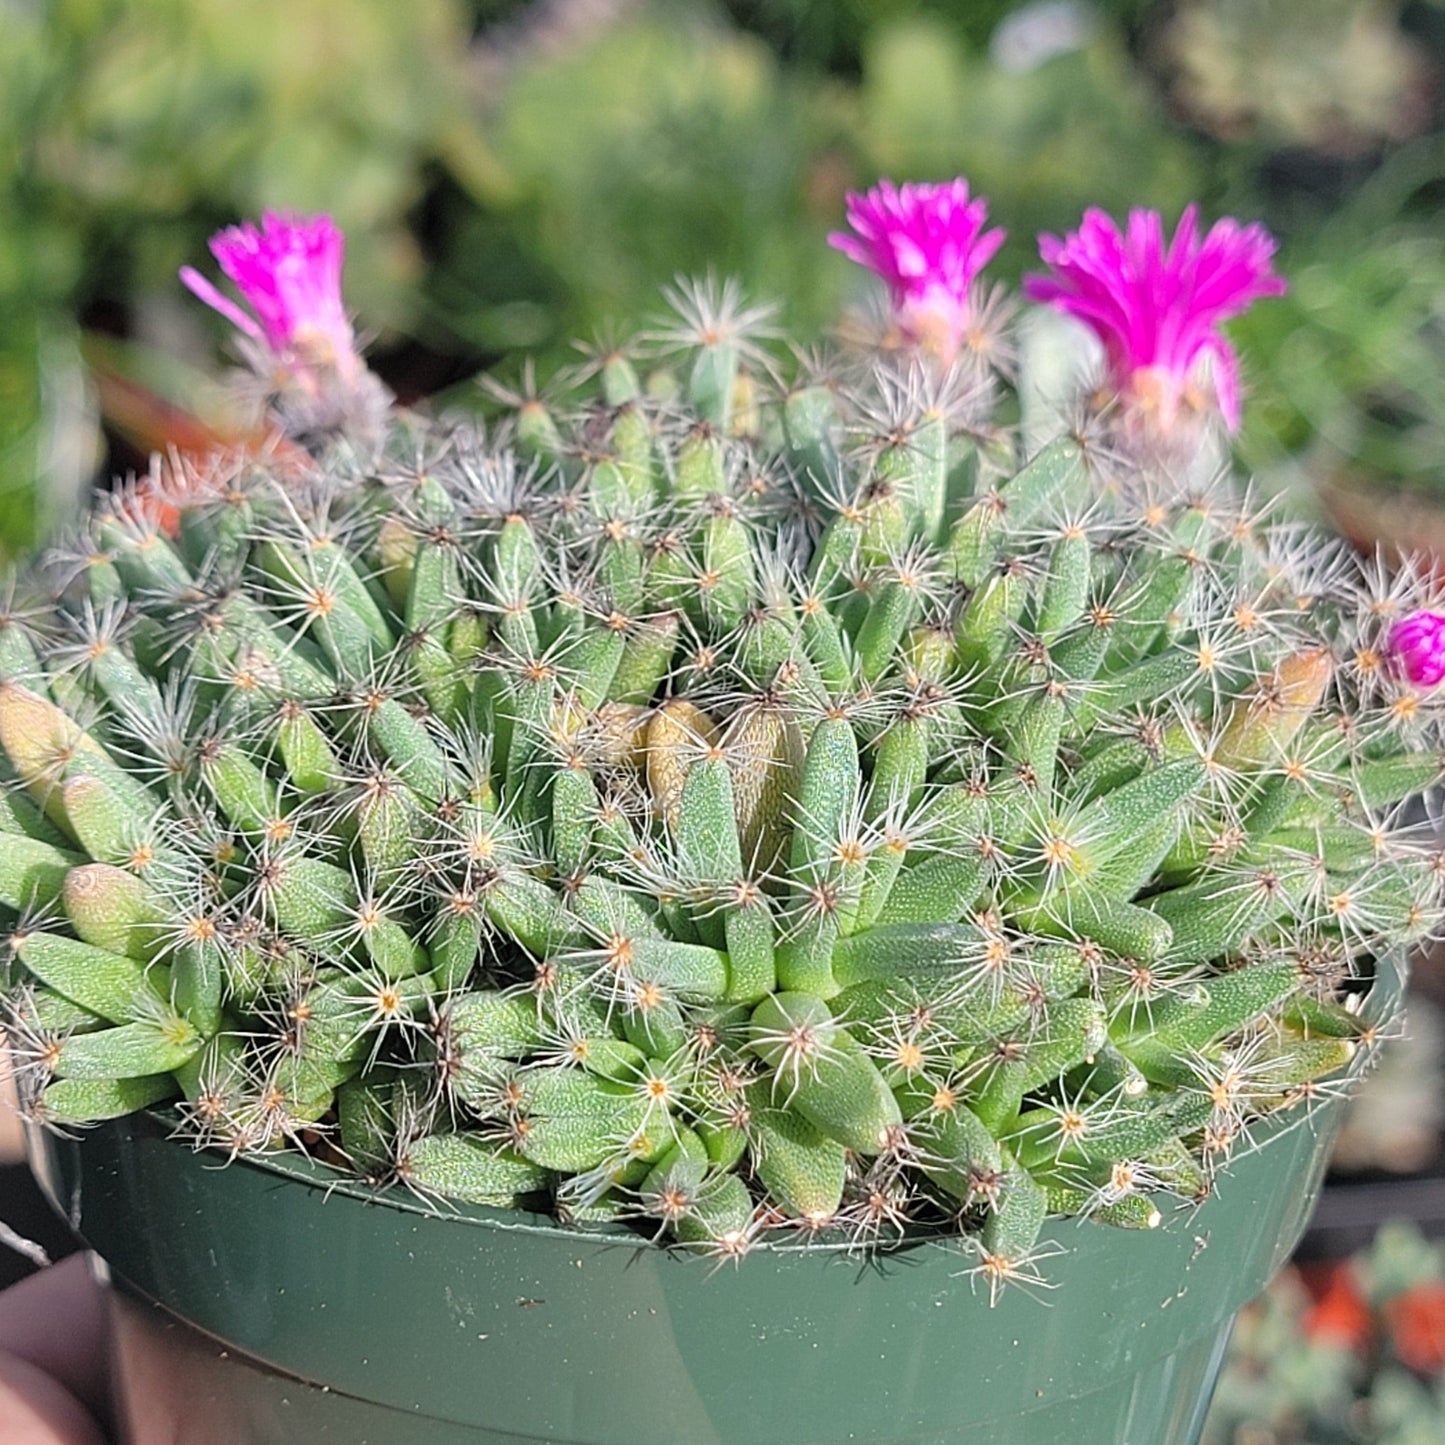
x,y
265,1302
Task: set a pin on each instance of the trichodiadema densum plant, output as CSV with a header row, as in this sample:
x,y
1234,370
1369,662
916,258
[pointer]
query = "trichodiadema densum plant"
x,y
736,790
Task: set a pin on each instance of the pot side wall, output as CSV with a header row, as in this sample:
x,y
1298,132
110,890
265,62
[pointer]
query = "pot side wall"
x,y
473,1328
265,1303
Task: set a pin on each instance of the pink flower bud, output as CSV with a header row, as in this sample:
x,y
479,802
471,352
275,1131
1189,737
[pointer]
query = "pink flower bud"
x,y
1417,648
928,243
288,271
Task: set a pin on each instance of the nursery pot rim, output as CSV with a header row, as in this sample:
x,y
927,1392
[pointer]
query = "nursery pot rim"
x,y
297,1168
1390,972
516,1332
264,1259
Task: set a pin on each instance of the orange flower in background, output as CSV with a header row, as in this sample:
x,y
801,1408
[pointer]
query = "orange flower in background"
x,y
179,479
1340,1313
1416,1320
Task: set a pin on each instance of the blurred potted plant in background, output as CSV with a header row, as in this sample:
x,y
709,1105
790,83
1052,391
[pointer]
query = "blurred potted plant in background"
x,y
1328,78
588,152
1348,1352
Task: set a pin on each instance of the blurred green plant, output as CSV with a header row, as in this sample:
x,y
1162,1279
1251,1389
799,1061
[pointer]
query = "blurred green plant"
x,y
658,145
131,129
1082,128
834,33
512,176
670,143
47,427
1336,76
1351,1353
165,118
1347,372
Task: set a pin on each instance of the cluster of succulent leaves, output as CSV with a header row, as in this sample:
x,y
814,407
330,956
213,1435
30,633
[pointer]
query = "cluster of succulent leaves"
x,y
723,796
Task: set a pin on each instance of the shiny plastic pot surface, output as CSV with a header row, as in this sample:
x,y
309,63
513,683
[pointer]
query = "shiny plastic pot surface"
x,y
263,1303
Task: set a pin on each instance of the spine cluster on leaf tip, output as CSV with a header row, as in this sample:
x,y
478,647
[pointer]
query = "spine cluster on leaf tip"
x,y
715,802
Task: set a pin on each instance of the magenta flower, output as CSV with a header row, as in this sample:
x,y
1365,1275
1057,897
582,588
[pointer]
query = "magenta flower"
x,y
928,243
289,272
1156,311
1417,648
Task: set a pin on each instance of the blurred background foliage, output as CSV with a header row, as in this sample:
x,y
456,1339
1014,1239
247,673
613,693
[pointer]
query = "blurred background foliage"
x,y
513,176
1347,1351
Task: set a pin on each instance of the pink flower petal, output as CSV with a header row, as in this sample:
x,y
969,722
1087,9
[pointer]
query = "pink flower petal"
x,y
928,243
1417,648
197,283
1157,309
288,271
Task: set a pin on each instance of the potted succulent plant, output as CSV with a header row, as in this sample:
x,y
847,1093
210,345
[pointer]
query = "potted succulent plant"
x,y
723,815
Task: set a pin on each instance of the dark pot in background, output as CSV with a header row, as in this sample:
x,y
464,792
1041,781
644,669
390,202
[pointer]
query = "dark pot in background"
x,y
1375,516
264,1303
